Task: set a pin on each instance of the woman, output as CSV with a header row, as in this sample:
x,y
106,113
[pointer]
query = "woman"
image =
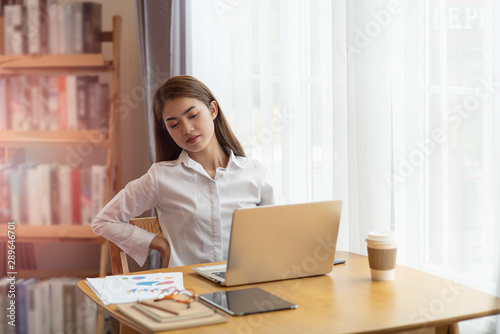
x,y
200,177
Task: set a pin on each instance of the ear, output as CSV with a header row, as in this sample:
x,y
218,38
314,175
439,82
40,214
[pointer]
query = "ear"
x,y
214,109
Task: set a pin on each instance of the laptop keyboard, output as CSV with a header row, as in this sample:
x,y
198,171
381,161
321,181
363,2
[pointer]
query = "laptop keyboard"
x,y
221,274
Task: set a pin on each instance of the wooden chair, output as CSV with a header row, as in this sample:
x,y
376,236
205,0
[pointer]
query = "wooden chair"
x,y
119,264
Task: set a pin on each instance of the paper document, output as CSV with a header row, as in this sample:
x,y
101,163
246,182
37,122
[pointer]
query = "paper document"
x,y
130,288
96,284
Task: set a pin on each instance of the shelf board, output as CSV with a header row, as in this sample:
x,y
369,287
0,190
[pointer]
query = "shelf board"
x,y
52,234
28,273
26,64
15,138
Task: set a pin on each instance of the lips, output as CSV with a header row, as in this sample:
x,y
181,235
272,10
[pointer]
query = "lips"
x,y
192,139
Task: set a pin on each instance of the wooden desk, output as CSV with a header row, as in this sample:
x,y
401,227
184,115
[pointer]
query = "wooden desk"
x,y
347,301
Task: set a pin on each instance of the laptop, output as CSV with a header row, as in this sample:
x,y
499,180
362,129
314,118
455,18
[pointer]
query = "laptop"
x,y
279,242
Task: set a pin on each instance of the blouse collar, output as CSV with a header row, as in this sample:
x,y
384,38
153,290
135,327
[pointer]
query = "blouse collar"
x,y
188,162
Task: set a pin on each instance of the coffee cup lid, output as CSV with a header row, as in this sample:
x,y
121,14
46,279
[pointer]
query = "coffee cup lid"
x,y
381,236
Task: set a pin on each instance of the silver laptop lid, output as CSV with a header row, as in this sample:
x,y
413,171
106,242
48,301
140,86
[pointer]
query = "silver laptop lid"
x,y
284,241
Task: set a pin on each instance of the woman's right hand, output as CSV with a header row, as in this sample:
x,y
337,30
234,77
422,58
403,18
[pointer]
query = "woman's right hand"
x,y
163,247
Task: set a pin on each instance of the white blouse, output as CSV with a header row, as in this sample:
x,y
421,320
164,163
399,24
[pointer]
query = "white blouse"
x,y
195,211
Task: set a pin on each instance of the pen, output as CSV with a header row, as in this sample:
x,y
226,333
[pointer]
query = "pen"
x,y
162,308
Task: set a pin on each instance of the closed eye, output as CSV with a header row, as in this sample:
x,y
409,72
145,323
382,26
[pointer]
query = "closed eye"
x,y
173,125
194,116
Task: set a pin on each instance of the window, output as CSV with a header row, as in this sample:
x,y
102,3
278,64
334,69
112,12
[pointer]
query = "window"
x,y
269,64
426,73
461,182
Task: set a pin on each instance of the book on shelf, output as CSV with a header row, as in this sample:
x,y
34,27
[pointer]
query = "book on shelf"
x,y
99,118
51,194
33,28
43,97
85,194
62,105
40,312
35,304
5,303
55,28
131,311
3,104
23,306
55,199
15,194
47,27
69,312
13,29
16,112
57,304
5,193
71,102
54,305
68,308
86,27
52,99
75,196
32,191
81,102
24,188
97,191
45,193
54,103
86,313
31,103
65,203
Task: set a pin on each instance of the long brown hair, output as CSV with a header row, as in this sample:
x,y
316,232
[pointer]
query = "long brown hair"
x,y
187,86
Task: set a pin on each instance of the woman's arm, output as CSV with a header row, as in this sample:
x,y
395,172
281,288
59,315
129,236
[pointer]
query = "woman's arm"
x,y
112,221
269,192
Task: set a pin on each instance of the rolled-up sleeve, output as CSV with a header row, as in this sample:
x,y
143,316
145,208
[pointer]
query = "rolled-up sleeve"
x,y
269,192
112,221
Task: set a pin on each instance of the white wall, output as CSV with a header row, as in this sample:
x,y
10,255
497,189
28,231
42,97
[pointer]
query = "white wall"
x,y
135,157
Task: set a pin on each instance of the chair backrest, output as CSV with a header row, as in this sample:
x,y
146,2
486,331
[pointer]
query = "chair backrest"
x,y
119,264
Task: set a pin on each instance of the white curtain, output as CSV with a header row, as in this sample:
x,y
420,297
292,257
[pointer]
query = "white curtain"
x,y
276,93
391,106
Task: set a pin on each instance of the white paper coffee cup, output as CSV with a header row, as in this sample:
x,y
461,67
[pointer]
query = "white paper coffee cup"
x,y
382,252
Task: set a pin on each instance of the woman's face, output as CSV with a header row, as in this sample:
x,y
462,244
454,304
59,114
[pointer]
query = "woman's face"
x,y
190,123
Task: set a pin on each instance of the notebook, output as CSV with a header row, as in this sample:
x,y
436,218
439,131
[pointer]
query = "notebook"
x,y
279,242
170,310
153,325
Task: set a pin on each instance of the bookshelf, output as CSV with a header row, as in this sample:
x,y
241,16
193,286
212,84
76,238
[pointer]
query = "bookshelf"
x,y
37,138
54,234
70,64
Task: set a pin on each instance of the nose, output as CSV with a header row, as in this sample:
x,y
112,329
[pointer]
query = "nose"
x,y
187,128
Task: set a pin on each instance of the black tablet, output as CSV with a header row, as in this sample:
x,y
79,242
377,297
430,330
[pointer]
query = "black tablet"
x,y
246,301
